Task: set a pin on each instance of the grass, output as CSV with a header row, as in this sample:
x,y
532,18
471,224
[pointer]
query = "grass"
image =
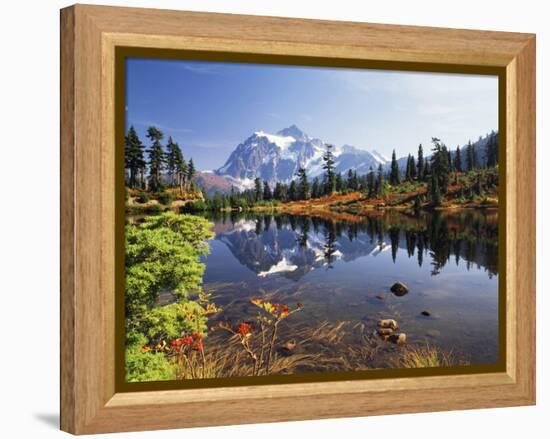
x,y
428,356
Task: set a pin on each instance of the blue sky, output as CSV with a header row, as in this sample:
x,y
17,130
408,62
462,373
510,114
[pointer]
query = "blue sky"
x,y
209,108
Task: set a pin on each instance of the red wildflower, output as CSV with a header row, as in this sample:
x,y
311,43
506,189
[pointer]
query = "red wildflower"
x,y
187,341
196,336
276,307
244,328
198,346
176,344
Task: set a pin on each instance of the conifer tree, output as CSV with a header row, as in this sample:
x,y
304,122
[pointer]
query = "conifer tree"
x,y
267,194
171,159
316,188
191,171
395,177
258,189
380,189
328,166
458,160
303,184
370,183
420,163
293,191
339,182
133,157
156,158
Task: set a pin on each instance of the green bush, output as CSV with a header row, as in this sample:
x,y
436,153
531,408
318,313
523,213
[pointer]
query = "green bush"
x,y
147,366
143,198
195,206
155,209
166,198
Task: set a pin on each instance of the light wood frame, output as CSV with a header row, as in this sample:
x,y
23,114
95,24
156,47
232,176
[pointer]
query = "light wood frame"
x,y
89,36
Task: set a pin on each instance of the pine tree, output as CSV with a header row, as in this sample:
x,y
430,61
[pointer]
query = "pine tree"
x,y
181,168
171,159
316,188
303,184
339,182
328,166
492,150
267,194
258,190
420,163
413,168
156,158
370,183
470,156
133,156
440,165
395,177
279,193
293,191
191,171
458,160
434,191
380,189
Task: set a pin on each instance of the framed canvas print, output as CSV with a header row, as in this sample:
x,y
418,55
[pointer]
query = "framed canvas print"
x,y
294,218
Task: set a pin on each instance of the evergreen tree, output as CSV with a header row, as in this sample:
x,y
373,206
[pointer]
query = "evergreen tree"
x,y
133,157
413,168
440,165
420,163
427,170
380,190
191,171
370,183
258,190
395,177
181,167
458,160
156,158
303,184
435,191
171,159
492,150
470,156
279,193
267,194
339,182
316,191
328,165
293,191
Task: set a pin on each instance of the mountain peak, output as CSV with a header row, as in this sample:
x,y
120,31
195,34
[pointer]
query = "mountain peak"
x,y
293,131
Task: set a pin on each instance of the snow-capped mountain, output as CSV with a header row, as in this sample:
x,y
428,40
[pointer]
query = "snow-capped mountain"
x,y
277,157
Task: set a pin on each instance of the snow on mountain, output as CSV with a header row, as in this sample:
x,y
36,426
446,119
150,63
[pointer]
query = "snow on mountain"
x,y
277,157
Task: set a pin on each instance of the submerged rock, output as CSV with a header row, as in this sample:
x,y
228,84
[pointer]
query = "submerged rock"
x,y
399,289
388,323
380,297
426,313
384,331
399,339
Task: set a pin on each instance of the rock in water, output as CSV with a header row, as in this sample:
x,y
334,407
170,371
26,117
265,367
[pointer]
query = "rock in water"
x,y
384,331
388,323
379,297
398,339
399,289
426,313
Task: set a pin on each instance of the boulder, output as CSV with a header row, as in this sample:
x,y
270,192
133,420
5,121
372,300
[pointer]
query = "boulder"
x,y
384,331
399,339
388,323
399,289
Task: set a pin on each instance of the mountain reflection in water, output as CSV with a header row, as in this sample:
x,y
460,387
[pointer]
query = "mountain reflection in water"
x,y
336,268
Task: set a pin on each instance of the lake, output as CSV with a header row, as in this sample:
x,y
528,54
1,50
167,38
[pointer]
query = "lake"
x,y
341,269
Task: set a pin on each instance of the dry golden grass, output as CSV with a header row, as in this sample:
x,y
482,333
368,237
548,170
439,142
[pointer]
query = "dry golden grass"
x,y
427,356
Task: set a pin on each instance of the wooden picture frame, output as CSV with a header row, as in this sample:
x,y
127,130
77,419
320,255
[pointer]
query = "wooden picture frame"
x,y
90,36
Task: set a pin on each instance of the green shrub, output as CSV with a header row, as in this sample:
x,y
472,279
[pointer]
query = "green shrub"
x,y
155,209
195,206
147,366
165,198
143,198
